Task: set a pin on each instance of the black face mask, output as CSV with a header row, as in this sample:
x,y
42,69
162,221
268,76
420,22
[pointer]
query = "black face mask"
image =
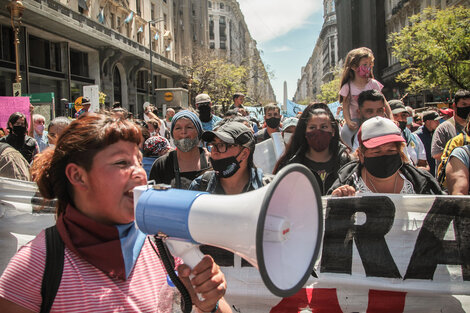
x,y
463,112
383,166
226,167
19,131
204,113
402,125
273,122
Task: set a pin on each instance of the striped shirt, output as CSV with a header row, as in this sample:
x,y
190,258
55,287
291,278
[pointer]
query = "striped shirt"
x,y
83,287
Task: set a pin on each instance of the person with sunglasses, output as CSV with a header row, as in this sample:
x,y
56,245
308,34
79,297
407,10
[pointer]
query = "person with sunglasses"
x,y
232,145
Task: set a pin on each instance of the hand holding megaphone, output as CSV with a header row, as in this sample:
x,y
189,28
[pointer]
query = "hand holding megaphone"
x,y
276,228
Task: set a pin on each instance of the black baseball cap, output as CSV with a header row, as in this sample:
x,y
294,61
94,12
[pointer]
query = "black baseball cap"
x,y
397,106
230,132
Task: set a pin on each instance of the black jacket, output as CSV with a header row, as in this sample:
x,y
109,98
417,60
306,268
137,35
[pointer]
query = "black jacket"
x,y
341,158
27,147
423,182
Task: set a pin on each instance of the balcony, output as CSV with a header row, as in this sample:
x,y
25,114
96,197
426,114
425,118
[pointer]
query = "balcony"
x,y
70,24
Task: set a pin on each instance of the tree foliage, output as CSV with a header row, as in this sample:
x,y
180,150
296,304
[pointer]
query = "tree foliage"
x,y
329,91
435,50
212,74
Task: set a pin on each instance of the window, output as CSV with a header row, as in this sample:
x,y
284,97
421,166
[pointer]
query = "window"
x,y
152,11
118,24
82,7
113,20
39,52
211,27
222,28
165,21
137,7
78,63
212,45
222,45
209,4
222,6
7,51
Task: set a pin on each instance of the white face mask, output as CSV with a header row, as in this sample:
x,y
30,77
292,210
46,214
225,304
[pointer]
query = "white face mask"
x,y
51,145
287,137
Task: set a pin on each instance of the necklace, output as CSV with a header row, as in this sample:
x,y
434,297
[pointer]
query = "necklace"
x,y
373,186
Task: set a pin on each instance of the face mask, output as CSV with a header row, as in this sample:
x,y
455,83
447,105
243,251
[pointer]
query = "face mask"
x,y
402,125
226,167
463,112
39,129
19,131
186,144
383,166
364,71
318,139
273,122
51,145
409,120
170,118
204,113
287,137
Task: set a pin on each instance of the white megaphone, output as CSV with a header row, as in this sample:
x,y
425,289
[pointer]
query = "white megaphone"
x,y
277,228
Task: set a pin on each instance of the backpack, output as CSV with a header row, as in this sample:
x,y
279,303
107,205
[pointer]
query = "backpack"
x,y
458,141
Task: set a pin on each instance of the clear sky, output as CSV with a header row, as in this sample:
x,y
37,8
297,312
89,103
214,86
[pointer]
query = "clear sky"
x,y
286,33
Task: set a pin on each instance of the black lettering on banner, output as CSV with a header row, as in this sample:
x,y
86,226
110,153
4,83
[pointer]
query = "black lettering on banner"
x,y
431,249
369,237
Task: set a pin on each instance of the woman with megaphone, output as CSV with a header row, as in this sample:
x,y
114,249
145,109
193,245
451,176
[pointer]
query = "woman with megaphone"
x,y
96,259
383,166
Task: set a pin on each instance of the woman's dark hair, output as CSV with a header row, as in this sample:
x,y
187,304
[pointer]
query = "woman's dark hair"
x,y
78,144
14,117
298,144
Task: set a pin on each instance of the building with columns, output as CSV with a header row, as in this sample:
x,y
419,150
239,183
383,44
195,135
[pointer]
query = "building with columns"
x,y
68,44
321,65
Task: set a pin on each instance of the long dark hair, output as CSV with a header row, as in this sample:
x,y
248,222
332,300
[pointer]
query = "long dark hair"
x,y
298,144
353,59
78,144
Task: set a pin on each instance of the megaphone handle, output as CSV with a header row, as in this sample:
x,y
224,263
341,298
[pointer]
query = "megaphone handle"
x,y
189,252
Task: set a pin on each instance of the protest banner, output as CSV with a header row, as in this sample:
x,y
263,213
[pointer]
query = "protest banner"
x,y
380,253
268,152
10,105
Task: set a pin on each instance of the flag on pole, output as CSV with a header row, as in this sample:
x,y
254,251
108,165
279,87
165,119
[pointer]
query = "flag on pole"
x,y
168,48
156,36
140,30
129,18
100,16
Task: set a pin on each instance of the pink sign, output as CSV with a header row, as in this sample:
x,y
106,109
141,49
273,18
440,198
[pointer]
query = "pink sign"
x,y
10,105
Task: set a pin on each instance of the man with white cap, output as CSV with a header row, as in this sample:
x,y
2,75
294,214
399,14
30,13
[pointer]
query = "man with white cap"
x,y
382,166
204,106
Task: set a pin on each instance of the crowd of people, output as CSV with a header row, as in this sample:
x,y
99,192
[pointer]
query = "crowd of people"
x,y
92,163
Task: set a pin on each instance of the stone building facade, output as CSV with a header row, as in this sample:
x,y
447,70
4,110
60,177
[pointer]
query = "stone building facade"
x,y
230,38
321,65
68,44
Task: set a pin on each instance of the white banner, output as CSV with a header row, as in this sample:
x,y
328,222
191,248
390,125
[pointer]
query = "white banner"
x,y
380,253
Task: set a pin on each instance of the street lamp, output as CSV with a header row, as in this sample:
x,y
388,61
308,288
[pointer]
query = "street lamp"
x,y
151,52
16,9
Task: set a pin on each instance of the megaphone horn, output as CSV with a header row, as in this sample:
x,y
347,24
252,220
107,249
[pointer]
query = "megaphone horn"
x,y
276,228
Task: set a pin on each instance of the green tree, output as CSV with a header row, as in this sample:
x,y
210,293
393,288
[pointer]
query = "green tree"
x,y
435,50
209,73
329,91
